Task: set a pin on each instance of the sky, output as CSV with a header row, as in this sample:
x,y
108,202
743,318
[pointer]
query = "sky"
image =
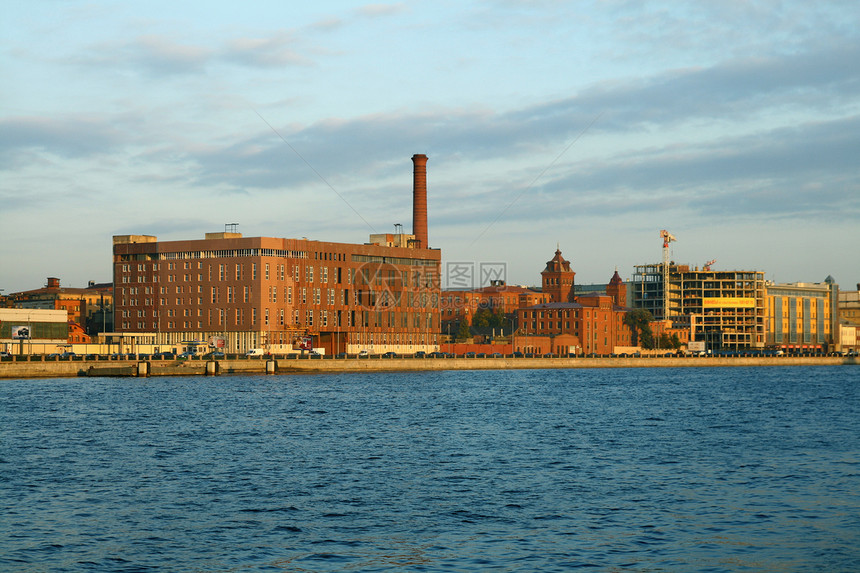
x,y
587,126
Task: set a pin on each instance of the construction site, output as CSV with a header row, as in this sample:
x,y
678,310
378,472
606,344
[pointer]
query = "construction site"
x,y
723,309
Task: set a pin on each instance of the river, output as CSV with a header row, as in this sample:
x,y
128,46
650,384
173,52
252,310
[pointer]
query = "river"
x,y
677,469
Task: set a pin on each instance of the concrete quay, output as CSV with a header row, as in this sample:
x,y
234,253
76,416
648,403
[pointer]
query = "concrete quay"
x,y
275,365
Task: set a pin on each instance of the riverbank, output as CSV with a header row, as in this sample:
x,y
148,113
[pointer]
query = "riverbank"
x,y
143,368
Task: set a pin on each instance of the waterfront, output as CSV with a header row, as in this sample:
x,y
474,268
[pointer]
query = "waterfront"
x,y
708,469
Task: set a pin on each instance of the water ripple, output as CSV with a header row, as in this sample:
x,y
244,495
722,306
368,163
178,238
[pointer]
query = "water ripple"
x,y
643,470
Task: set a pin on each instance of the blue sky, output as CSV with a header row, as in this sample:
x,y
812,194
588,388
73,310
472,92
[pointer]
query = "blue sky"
x,y
591,125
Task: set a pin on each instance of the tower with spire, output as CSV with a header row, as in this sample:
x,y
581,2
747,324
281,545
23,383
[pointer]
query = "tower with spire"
x,y
617,290
557,279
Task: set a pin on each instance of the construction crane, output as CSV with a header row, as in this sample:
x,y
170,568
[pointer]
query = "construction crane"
x,y
707,266
667,238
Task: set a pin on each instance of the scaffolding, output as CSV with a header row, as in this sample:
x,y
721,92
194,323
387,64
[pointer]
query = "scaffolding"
x,y
726,309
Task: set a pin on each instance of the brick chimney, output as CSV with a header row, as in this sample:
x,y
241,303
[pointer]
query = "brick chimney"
x,y
419,200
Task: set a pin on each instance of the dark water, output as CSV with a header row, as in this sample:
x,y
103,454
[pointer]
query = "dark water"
x,y
735,469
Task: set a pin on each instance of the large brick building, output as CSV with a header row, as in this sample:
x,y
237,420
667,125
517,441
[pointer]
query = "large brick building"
x,y
585,324
264,292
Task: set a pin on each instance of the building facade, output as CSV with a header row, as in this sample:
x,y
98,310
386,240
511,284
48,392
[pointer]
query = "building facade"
x,y
499,296
725,309
272,293
585,324
802,316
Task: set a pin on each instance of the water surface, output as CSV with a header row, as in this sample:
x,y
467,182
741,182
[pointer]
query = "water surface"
x,y
713,469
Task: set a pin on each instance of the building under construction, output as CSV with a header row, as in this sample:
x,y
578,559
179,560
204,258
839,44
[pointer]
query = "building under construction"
x,y
725,309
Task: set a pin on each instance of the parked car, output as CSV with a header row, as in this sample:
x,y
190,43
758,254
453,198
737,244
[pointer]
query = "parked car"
x,y
165,355
420,354
65,355
363,354
341,355
214,355
469,355
390,355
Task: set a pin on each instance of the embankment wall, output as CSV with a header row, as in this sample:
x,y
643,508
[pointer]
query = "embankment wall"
x,y
65,368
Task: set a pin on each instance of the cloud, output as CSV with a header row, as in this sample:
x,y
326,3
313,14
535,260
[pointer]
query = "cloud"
x,y
276,51
731,95
377,10
149,55
70,137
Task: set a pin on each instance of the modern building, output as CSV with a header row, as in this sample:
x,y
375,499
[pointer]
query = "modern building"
x,y
239,293
585,324
802,316
725,309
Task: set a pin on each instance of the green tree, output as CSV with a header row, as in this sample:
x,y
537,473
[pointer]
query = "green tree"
x,y
482,318
498,318
639,321
463,332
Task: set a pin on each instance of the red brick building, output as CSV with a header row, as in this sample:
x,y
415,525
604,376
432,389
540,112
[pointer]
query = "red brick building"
x,y
272,293
498,297
586,324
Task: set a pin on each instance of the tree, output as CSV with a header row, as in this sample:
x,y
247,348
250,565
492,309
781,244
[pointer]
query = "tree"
x,y
639,321
481,318
463,332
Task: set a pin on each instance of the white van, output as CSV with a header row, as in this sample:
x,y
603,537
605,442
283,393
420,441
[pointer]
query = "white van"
x,y
255,352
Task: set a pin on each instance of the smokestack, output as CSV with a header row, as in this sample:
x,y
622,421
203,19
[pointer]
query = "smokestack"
x,y
419,200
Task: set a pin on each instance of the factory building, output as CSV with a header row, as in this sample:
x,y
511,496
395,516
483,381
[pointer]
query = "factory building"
x,y
237,293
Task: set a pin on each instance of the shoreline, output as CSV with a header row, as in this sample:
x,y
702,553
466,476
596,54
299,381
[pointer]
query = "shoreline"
x,y
145,368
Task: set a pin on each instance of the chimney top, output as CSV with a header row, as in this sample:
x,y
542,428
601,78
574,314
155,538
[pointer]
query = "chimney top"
x,y
419,200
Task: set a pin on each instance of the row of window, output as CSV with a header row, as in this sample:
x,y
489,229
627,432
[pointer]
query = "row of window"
x,y
308,318
426,279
